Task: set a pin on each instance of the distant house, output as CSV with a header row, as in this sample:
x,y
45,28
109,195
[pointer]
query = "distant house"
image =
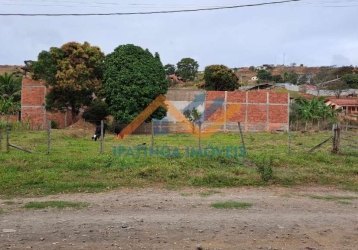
x,y
349,106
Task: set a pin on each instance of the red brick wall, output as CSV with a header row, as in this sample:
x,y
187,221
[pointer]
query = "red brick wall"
x,y
32,106
258,110
12,118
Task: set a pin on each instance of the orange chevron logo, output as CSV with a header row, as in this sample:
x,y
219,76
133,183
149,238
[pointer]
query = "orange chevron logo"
x,y
161,100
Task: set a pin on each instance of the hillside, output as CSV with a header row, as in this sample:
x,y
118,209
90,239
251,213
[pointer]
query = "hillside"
x,y
10,69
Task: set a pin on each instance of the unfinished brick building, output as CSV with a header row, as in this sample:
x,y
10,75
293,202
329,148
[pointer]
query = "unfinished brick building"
x,y
33,106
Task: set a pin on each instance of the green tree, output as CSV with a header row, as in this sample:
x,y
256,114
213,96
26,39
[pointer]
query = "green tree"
x,y
277,78
338,88
73,73
252,68
313,111
187,69
169,69
264,76
220,78
351,80
133,78
302,80
193,116
8,106
157,56
323,77
341,71
10,85
97,111
292,78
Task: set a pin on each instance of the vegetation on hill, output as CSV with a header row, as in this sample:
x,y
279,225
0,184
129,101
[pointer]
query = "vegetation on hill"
x,y
187,68
220,78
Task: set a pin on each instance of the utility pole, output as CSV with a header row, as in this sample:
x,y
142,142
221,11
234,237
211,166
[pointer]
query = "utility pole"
x,y
284,57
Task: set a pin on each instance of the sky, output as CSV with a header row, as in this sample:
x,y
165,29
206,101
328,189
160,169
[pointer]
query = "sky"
x,y
308,32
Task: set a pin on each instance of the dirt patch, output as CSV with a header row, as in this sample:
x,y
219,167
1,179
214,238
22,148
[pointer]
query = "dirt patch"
x,y
279,218
82,125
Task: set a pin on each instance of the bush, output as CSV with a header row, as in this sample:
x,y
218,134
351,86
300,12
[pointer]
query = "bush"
x,y
54,124
96,112
265,169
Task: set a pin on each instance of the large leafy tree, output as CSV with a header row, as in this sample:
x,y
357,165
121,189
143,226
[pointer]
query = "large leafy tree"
x,y
169,69
10,86
264,76
220,78
97,111
133,78
73,72
187,69
277,78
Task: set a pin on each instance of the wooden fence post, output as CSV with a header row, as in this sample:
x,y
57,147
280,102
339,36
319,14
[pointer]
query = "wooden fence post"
x,y
152,135
289,139
336,137
49,137
199,135
0,139
102,124
242,137
7,134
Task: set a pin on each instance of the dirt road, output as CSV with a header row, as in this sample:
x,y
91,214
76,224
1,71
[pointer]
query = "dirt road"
x,y
280,218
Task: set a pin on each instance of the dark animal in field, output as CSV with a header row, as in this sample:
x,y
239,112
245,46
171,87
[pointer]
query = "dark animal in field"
x,y
97,133
352,95
117,131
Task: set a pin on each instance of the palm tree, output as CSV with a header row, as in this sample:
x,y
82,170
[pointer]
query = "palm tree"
x,y
10,85
8,106
313,111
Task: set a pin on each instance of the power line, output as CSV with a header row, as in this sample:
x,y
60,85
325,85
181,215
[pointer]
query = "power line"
x,y
153,12
102,5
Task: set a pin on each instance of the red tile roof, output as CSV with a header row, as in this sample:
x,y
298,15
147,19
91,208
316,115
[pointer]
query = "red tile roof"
x,y
345,102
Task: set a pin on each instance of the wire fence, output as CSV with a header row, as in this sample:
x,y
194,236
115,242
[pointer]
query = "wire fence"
x,y
164,142
195,143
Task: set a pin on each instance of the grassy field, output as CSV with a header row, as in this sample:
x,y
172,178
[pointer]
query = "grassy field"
x,y
76,165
